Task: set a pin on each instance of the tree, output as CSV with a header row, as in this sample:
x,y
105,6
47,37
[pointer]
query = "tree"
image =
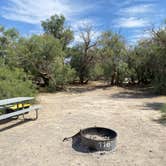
x,y
7,38
113,57
83,54
56,26
141,61
148,61
159,68
43,58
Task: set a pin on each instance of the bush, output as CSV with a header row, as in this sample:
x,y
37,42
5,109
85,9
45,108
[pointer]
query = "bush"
x,y
62,75
15,83
96,72
163,109
160,85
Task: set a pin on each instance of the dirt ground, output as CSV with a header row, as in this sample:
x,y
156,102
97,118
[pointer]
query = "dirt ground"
x,y
134,114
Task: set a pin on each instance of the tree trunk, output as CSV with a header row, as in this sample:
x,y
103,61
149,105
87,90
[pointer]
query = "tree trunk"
x,y
81,77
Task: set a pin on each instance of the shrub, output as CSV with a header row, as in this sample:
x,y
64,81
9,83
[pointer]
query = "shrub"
x,y
62,75
160,85
163,109
14,83
96,72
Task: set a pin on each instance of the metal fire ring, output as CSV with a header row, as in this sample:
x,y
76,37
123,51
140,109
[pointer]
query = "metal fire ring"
x,y
98,138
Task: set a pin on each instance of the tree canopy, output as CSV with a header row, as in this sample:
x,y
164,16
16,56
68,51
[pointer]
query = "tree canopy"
x,y
56,26
47,61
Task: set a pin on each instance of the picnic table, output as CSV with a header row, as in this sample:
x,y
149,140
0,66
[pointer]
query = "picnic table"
x,y
8,103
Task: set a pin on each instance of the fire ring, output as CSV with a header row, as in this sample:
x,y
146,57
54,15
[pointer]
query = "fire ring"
x,y
98,138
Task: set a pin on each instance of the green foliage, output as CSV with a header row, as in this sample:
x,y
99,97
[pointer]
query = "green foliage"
x,y
84,65
11,34
96,71
62,75
108,71
43,58
159,67
140,61
163,109
84,54
113,55
55,26
148,61
159,84
78,63
7,39
163,117
14,83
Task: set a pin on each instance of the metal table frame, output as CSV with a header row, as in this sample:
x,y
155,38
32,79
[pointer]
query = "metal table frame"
x,y
18,100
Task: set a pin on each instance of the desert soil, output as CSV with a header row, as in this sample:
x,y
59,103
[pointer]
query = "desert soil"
x,y
134,114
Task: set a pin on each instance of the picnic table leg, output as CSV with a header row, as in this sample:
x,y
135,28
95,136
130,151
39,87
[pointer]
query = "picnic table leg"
x,y
23,116
36,110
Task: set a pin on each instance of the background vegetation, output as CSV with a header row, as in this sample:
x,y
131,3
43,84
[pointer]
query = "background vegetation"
x,y
48,60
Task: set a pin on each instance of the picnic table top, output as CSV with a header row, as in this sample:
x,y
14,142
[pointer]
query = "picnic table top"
x,y
15,100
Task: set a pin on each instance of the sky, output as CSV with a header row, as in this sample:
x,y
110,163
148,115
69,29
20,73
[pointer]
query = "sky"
x,y
131,18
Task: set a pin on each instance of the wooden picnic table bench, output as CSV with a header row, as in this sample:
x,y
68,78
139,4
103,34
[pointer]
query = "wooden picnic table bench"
x,y
7,104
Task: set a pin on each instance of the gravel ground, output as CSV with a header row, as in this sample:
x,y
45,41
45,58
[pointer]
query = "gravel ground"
x,y
132,113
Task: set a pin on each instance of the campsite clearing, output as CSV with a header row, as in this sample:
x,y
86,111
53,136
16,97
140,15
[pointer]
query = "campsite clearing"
x,y
134,114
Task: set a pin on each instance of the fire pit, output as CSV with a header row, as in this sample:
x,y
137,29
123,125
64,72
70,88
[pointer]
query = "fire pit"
x,y
93,139
98,138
